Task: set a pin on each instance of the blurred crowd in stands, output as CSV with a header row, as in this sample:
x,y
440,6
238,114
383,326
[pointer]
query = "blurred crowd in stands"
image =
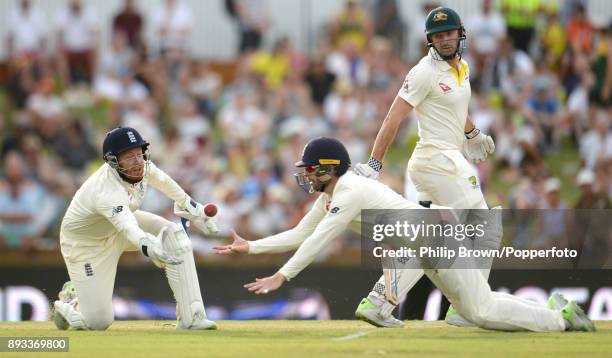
x,y
541,78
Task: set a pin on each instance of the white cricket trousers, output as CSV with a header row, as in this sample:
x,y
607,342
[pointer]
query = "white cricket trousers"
x,y
470,294
92,267
445,178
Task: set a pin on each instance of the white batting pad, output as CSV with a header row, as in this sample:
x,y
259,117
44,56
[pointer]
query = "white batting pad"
x,y
183,278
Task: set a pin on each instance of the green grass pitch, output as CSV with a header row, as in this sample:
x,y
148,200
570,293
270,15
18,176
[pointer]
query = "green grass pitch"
x,y
313,339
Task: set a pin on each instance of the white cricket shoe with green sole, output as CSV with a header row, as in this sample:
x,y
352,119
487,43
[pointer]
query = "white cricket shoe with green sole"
x,y
576,319
369,312
556,301
66,295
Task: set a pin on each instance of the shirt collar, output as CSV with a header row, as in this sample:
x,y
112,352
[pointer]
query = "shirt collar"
x,y
442,65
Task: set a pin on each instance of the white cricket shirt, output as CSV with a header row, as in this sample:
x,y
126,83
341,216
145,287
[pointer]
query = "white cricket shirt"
x,y
440,96
328,218
104,205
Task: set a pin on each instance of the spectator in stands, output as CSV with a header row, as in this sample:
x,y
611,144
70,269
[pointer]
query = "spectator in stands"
x,y
204,85
274,66
543,110
20,199
244,127
601,92
388,23
190,124
348,64
580,31
253,21
319,79
486,29
553,40
130,22
45,107
589,198
352,25
520,16
27,35
74,145
172,22
596,144
77,42
553,230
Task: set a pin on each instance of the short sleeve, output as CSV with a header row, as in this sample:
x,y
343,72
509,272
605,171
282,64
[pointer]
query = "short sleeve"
x,y
416,86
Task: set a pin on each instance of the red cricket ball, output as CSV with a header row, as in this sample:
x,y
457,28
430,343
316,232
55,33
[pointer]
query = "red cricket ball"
x,y
210,210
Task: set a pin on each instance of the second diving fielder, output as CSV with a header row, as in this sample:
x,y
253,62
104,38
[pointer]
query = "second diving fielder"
x,y
325,163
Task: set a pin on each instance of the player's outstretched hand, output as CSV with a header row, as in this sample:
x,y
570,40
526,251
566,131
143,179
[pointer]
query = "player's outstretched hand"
x,y
266,285
238,246
365,170
152,247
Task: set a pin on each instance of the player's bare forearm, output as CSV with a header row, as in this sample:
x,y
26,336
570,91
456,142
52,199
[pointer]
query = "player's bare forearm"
x,y
469,125
388,131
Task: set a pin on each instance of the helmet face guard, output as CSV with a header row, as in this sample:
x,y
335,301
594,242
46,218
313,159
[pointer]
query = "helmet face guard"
x,y
461,46
113,161
321,174
323,159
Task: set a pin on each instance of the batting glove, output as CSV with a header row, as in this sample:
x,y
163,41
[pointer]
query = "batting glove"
x,y
370,170
477,146
151,246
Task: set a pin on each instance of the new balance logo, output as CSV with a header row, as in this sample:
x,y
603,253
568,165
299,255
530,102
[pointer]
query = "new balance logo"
x,y
88,270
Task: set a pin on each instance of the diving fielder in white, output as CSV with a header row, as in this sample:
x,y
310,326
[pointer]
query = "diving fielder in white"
x,y
104,220
343,196
438,89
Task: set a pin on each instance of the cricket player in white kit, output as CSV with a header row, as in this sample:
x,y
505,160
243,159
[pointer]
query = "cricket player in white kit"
x,y
104,220
343,196
438,89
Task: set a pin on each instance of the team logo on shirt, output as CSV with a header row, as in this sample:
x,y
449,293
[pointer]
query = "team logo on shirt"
x,y
334,210
444,87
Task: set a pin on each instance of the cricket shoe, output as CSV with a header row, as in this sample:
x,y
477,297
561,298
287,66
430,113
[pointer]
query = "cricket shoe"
x,y
455,319
556,302
369,312
576,319
65,315
66,295
200,322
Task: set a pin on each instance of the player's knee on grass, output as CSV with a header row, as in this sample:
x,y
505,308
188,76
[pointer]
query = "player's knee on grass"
x,y
99,322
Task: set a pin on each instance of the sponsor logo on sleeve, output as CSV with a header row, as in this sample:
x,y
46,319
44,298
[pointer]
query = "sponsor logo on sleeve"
x,y
117,209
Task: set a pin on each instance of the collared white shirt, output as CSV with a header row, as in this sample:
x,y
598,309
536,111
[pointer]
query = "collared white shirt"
x,y
104,205
327,219
440,96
